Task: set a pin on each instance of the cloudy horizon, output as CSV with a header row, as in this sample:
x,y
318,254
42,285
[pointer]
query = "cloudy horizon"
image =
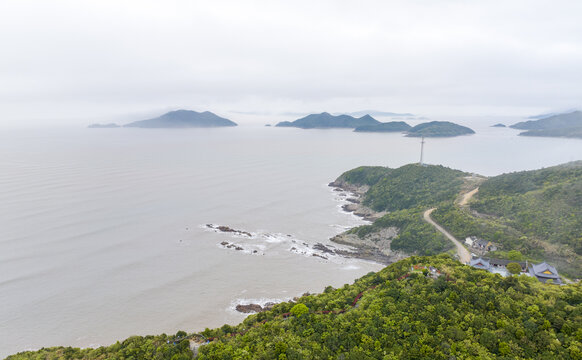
x,y
75,62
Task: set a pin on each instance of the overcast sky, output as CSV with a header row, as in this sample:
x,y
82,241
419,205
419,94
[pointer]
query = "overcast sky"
x,y
74,62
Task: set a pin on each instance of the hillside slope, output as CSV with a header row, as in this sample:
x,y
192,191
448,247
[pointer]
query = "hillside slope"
x,y
538,213
405,192
405,311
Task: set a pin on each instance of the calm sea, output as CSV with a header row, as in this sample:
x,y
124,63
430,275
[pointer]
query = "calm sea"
x,y
102,231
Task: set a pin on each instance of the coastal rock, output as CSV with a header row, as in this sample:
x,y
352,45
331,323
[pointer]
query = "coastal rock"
x,y
350,207
237,247
268,306
374,246
228,229
355,201
249,308
323,248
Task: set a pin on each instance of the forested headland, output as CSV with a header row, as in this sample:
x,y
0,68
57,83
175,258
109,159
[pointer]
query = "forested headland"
x,y
532,215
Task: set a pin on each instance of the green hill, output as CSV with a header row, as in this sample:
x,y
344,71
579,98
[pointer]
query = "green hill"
x,y
393,126
559,121
405,311
407,187
538,213
326,120
439,129
406,192
183,119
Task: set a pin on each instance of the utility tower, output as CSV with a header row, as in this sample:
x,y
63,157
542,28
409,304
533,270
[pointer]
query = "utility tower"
x,y
421,150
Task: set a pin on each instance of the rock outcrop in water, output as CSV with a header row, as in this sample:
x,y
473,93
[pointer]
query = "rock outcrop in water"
x,y
254,308
227,229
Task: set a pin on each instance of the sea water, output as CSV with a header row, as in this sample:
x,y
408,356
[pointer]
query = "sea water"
x,y
103,232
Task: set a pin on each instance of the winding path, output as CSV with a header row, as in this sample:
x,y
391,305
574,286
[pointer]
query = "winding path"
x,y
468,196
462,252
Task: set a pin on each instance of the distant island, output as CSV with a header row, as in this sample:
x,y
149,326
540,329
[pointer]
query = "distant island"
x,y
326,120
379,113
184,119
393,126
439,129
103,126
575,132
561,125
499,125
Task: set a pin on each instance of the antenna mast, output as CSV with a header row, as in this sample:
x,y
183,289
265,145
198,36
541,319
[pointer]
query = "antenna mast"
x,y
421,150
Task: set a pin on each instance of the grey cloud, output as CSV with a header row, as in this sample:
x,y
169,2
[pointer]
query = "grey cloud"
x,y
65,59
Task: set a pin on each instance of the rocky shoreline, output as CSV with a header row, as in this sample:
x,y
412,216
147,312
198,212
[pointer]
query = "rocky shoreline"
x,y
257,308
373,247
356,195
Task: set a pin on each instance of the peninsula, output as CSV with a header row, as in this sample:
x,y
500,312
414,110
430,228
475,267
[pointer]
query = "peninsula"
x,y
326,120
536,214
184,119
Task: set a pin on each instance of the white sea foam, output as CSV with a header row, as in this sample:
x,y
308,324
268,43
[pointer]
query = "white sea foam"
x,y
351,267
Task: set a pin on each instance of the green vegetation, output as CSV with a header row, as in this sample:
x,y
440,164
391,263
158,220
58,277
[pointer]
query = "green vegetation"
x,y
538,213
514,268
394,314
160,347
544,203
466,313
393,126
415,236
462,223
406,192
412,186
326,120
364,175
439,129
299,310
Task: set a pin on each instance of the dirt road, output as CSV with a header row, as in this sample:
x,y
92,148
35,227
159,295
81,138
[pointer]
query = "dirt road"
x,y
464,255
468,196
